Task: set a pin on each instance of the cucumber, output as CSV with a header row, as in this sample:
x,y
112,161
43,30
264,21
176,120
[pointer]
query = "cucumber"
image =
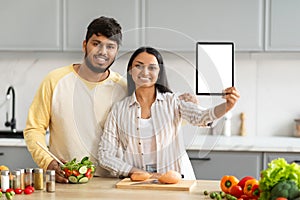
x,y
72,179
83,180
83,169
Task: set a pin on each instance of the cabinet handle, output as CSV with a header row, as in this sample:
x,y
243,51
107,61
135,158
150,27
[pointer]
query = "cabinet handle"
x,y
1,154
204,159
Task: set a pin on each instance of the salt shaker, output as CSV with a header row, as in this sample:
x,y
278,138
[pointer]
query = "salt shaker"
x,y
50,180
4,180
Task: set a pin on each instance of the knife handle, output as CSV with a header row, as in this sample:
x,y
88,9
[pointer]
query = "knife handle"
x,y
204,158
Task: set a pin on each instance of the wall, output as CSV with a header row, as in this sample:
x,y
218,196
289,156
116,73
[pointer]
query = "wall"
x,y
268,83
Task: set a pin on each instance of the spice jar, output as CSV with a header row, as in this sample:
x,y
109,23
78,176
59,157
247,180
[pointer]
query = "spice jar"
x,y
22,178
28,177
50,180
16,179
38,179
4,180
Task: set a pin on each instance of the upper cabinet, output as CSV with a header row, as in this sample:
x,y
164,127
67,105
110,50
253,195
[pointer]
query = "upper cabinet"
x,y
78,14
177,24
173,25
30,25
282,25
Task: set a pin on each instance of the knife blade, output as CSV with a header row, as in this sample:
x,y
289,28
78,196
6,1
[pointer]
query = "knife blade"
x,y
155,181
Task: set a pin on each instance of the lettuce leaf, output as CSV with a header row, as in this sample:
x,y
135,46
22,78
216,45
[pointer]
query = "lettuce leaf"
x,y
278,170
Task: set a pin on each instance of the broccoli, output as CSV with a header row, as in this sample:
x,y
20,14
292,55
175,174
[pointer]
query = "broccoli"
x,y
287,189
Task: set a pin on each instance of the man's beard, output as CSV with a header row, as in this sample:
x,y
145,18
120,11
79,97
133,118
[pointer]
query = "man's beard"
x,y
93,68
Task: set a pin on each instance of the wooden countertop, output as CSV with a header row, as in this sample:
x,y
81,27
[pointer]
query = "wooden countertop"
x,y
104,188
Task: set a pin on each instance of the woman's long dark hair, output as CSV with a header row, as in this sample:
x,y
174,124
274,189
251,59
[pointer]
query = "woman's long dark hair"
x,y
162,82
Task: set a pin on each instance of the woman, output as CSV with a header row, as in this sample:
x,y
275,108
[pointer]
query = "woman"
x,y
142,132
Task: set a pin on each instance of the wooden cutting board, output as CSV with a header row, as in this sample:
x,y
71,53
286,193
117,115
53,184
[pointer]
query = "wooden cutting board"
x,y
183,185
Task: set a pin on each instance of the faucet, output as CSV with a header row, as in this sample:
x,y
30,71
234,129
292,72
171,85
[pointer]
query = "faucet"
x,y
12,122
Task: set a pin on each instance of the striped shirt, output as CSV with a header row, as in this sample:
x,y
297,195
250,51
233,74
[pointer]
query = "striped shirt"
x,y
120,145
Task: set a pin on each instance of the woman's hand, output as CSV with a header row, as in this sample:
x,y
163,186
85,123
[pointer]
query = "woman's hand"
x,y
231,96
59,173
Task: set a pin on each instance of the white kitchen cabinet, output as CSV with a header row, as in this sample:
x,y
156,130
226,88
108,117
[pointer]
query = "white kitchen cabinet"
x,y
282,25
177,25
30,25
290,157
78,14
16,157
215,164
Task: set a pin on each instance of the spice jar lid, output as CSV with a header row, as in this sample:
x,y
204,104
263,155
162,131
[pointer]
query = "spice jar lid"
x,y
38,170
50,172
5,172
17,172
28,170
21,170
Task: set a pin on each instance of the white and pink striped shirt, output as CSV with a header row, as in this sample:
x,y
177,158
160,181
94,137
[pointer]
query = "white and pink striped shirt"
x,y
120,146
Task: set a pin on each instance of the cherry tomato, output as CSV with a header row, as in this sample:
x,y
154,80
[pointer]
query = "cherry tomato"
x,y
68,172
88,174
28,190
75,173
18,191
30,187
9,190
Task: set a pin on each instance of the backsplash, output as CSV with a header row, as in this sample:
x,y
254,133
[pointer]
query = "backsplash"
x,y
268,83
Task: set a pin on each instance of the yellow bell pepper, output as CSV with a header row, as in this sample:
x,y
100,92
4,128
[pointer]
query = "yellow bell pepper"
x,y
249,185
227,182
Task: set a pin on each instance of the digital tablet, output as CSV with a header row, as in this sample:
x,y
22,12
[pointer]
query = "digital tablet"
x,y
214,67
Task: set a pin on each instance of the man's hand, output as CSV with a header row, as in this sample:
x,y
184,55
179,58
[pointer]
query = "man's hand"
x,y
59,173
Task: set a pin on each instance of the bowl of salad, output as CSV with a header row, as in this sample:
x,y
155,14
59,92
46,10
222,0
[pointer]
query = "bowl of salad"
x,y
79,171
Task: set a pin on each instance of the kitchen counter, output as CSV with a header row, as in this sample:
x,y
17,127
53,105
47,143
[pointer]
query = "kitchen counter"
x,y
12,142
221,143
245,143
104,188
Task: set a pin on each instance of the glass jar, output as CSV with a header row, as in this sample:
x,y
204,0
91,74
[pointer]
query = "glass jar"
x,y
16,179
50,180
22,178
28,177
4,180
38,179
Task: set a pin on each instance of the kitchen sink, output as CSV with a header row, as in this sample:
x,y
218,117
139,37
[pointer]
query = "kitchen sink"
x,y
10,134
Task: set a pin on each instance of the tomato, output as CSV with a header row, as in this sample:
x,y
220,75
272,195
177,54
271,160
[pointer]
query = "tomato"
x,y
236,191
243,181
281,198
18,191
68,172
75,173
28,190
30,187
9,190
88,174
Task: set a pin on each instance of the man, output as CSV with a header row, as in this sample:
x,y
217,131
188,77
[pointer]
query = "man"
x,y
73,101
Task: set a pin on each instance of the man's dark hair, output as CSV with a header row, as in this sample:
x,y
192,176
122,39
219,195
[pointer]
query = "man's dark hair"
x,y
107,27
